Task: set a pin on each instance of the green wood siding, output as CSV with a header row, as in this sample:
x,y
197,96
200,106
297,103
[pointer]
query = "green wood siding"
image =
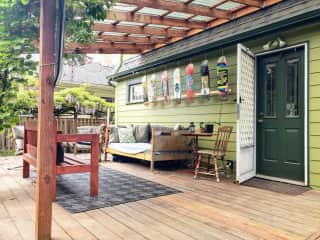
x,y
210,110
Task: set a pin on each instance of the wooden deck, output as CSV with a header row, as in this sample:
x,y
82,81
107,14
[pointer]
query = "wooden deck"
x,y
205,210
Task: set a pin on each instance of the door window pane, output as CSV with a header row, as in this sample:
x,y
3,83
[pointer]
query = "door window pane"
x,y
270,94
292,109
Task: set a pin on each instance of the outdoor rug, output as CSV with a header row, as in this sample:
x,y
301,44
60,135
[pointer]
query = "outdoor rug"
x,y
277,187
115,188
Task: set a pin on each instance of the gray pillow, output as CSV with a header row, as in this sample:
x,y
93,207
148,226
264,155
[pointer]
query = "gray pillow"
x,y
126,135
18,132
142,133
114,135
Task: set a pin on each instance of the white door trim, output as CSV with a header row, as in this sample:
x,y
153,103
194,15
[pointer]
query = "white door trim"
x,y
306,110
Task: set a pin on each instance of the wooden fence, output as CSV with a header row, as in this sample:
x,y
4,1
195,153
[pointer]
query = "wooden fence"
x,y
66,125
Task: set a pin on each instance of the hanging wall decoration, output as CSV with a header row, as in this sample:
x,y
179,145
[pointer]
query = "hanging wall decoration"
x,y
152,85
145,89
222,74
165,86
189,81
205,84
177,85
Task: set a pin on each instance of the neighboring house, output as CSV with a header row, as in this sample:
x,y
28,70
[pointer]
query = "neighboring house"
x,y
93,74
274,104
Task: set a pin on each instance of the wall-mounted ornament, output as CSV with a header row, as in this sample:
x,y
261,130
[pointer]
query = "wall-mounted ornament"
x,y
145,89
205,84
189,82
274,44
222,75
152,85
177,85
165,86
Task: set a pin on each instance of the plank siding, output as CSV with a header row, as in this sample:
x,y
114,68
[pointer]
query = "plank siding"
x,y
214,110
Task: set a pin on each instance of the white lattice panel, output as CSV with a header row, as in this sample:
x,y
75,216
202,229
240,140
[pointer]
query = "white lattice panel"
x,y
246,121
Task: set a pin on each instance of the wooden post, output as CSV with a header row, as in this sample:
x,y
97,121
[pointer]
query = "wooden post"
x,y
45,158
108,117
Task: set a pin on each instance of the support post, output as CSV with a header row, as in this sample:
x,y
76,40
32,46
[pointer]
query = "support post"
x,y
43,214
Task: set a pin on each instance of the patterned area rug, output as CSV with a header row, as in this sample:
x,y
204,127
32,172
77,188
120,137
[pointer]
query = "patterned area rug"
x,y
277,187
115,188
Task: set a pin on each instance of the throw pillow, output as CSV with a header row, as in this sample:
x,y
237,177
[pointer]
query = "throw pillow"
x,y
113,135
141,133
126,135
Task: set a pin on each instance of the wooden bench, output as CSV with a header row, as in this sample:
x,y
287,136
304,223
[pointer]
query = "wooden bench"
x,y
69,165
168,147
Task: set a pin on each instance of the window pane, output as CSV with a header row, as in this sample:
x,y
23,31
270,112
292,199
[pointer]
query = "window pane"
x,y
292,88
270,94
136,92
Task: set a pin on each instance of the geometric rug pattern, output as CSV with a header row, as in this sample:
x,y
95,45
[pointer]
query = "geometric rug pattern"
x,y
115,187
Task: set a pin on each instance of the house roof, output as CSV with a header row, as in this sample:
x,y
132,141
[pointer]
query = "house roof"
x,y
91,73
284,14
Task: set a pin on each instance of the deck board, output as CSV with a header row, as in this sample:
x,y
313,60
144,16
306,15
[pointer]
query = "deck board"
x,y
203,210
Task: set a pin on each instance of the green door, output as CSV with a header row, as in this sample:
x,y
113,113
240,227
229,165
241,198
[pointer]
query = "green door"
x,y
280,115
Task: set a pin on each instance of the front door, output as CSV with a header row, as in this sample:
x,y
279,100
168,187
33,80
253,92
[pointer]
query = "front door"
x,y
280,115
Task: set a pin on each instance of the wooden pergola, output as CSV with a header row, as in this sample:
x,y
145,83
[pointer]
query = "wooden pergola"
x,y
138,26
131,27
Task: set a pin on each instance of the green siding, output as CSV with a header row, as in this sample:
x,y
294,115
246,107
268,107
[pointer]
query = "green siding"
x,y
214,110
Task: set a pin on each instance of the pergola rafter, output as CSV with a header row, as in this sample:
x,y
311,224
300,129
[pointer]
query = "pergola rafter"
x,y
149,19
155,24
101,27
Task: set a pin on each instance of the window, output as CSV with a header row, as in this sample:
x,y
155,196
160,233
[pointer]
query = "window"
x,y
135,90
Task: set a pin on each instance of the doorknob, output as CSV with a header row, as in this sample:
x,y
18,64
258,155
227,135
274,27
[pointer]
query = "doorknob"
x,y
260,117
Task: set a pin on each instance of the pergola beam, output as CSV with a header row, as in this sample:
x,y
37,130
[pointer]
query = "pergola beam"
x,y
170,5
251,3
148,19
102,27
107,47
131,39
93,50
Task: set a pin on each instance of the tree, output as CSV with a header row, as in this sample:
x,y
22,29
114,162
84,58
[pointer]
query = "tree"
x,y
19,30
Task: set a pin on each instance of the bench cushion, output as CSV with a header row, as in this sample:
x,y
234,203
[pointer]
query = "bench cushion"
x,y
131,148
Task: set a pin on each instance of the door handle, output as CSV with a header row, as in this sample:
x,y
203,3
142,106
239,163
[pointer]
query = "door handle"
x,y
260,117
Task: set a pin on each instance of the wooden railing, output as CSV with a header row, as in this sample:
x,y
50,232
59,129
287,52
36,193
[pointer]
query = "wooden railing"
x,y
66,125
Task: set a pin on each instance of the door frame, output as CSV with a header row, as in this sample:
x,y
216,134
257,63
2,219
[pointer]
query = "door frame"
x,y
305,46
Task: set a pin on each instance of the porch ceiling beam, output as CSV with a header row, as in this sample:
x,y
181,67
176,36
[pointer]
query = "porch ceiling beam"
x,y
251,3
93,50
107,47
148,19
148,39
102,27
170,5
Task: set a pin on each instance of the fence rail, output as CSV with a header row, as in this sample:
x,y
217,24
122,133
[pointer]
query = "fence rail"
x,y
66,125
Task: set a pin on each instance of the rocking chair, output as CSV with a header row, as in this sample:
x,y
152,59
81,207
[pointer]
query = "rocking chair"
x,y
217,153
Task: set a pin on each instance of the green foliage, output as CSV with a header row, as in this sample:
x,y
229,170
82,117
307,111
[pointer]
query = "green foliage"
x,y
80,100
19,30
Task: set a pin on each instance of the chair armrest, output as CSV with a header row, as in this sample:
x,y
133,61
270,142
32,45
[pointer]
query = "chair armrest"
x,y
78,138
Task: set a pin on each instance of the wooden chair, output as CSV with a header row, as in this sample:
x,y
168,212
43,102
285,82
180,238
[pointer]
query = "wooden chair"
x,y
69,165
217,153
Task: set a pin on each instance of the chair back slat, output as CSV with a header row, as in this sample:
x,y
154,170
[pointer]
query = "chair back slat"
x,y
222,140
